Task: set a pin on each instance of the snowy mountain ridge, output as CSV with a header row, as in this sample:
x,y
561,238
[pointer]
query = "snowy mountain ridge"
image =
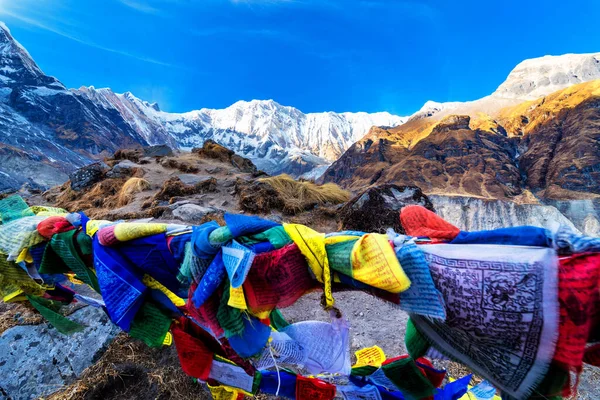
x,y
277,138
529,80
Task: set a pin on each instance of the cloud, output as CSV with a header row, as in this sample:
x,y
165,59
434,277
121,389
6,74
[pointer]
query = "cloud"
x,y
136,5
42,25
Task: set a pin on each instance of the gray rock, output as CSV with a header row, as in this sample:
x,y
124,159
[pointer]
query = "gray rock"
x,y
214,170
36,360
378,208
161,150
192,213
86,176
191,179
473,214
123,169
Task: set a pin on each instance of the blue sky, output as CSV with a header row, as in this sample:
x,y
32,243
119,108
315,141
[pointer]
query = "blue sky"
x,y
316,55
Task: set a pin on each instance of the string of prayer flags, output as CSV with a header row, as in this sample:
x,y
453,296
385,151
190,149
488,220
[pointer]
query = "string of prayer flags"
x,y
215,291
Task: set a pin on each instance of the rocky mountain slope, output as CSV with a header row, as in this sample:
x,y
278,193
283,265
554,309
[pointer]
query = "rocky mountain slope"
x,y
47,130
495,147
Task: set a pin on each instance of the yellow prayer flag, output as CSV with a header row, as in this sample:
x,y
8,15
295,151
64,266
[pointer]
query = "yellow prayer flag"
x,y
374,263
24,256
339,239
133,230
373,356
237,298
72,279
223,392
17,295
93,225
154,284
312,245
168,339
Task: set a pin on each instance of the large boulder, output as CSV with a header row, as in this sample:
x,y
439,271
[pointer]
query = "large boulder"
x,y
124,169
192,213
377,208
36,360
243,164
87,176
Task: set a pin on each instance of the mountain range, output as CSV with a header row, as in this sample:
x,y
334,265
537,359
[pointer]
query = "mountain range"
x,y
47,130
536,137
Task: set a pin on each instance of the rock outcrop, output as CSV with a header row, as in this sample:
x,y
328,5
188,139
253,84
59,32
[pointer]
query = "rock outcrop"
x,y
377,209
36,360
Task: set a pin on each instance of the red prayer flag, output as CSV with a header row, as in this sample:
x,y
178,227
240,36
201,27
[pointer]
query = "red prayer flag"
x,y
579,306
419,221
194,356
313,389
277,279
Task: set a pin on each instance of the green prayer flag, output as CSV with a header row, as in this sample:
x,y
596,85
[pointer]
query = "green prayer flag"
x,y
340,256
150,325
416,343
14,207
64,245
277,320
85,243
48,309
365,370
230,318
408,378
276,236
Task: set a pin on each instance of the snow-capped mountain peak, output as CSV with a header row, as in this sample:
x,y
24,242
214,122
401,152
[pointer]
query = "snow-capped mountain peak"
x,y
541,76
17,66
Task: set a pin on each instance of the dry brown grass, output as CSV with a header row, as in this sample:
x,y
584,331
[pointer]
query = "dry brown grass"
x,y
132,187
13,314
174,187
303,195
181,165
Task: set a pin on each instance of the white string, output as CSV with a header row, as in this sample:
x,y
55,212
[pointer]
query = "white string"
x,y
277,368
